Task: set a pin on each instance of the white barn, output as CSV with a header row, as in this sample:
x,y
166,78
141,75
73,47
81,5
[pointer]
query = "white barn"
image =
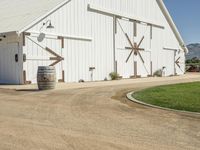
x,y
77,36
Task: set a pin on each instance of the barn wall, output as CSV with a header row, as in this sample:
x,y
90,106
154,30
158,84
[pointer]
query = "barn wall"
x,y
74,19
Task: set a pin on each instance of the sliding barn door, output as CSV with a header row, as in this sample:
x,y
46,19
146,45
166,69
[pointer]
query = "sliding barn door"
x,y
37,55
143,67
124,69
137,65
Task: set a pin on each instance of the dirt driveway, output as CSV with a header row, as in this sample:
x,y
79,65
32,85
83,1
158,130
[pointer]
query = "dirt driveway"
x,y
96,117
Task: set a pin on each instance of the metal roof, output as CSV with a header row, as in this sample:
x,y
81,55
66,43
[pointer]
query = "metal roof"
x,y
17,14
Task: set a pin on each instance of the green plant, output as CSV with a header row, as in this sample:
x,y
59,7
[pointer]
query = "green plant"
x,y
114,75
158,73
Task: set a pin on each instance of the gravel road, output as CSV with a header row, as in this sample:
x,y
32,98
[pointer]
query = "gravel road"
x,y
96,117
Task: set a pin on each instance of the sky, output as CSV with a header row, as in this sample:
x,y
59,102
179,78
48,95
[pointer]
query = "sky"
x,y
186,15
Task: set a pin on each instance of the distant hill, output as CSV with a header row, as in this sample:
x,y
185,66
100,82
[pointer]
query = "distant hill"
x,y
194,51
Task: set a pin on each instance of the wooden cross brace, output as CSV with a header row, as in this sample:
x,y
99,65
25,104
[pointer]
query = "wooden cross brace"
x,y
129,48
57,57
177,62
135,48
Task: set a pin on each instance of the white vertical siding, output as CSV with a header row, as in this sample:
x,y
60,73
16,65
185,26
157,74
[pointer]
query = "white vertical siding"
x,y
157,48
168,62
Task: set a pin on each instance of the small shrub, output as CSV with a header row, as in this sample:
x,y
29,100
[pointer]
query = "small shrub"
x,y
81,81
114,75
158,73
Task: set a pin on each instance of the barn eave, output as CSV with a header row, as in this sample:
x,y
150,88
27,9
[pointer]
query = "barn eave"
x,y
172,25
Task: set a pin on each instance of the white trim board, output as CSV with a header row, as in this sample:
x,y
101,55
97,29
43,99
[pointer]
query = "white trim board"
x,y
170,49
55,35
113,13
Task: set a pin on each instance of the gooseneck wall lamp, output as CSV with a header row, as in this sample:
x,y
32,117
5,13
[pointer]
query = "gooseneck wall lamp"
x,y
48,25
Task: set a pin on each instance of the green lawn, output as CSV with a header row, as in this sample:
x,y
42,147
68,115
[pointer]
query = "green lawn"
x,y
180,96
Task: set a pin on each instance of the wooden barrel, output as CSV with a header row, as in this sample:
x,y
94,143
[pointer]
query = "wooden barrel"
x,y
46,77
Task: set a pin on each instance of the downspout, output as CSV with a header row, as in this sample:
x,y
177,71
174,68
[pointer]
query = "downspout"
x,y
172,25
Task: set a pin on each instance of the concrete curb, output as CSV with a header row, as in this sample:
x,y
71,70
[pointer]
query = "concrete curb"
x,y
129,96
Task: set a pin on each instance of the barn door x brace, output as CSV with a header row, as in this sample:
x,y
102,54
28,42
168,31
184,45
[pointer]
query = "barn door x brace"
x,y
57,58
177,62
134,48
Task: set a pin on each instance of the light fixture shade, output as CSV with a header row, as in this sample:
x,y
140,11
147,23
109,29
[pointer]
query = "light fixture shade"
x,y
50,26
